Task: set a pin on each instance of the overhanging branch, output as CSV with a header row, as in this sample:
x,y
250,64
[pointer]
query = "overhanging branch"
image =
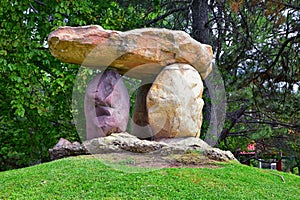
x,y
148,23
40,3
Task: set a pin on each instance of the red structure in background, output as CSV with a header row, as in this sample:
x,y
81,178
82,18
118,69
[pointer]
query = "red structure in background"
x,y
251,151
279,165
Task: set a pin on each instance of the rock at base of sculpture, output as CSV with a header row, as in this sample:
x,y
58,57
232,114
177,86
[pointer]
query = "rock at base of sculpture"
x,y
174,102
126,143
106,105
120,143
64,148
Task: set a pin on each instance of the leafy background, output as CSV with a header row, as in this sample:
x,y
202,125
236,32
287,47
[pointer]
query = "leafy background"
x,y
256,45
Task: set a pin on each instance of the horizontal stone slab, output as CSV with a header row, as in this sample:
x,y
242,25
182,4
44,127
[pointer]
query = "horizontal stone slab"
x,y
138,53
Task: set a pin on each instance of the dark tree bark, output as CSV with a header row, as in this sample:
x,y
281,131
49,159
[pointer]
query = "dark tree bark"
x,y
200,32
200,20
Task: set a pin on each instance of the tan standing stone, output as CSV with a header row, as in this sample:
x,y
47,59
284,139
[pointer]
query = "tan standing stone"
x,y
174,102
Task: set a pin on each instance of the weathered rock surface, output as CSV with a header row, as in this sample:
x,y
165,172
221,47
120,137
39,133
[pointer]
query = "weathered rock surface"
x,y
65,148
188,143
121,142
106,105
152,48
124,142
219,155
140,124
174,102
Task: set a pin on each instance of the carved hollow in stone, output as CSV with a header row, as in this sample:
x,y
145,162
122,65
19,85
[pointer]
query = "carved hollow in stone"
x,y
140,123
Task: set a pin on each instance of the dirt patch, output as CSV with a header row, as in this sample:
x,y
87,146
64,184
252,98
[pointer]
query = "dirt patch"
x,y
190,160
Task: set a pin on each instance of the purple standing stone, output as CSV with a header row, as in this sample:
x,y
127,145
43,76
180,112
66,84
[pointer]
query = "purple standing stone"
x,y
106,105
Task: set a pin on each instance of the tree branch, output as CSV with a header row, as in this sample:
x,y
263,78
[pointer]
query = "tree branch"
x,y
238,114
148,23
273,123
165,4
276,58
40,3
33,8
287,5
241,133
279,176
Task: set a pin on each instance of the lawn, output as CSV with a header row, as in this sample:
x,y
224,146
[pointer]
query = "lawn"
x,y
87,178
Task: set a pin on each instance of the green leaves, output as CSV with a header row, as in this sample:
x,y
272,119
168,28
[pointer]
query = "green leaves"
x,y
36,89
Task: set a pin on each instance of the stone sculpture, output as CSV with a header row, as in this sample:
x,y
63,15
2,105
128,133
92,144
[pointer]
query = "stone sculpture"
x,y
170,107
106,105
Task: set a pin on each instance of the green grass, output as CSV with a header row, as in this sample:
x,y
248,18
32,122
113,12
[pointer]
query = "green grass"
x,y
88,178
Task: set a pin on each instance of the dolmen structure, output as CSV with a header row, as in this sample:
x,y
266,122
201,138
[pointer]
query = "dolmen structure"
x,y
170,64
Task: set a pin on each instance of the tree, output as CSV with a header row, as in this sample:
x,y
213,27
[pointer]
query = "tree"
x,y
262,71
261,47
256,45
36,88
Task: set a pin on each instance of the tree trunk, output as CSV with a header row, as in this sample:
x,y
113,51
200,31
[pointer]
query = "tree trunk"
x,y
200,19
200,32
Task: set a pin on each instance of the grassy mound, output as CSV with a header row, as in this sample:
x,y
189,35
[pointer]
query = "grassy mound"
x,y
87,178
